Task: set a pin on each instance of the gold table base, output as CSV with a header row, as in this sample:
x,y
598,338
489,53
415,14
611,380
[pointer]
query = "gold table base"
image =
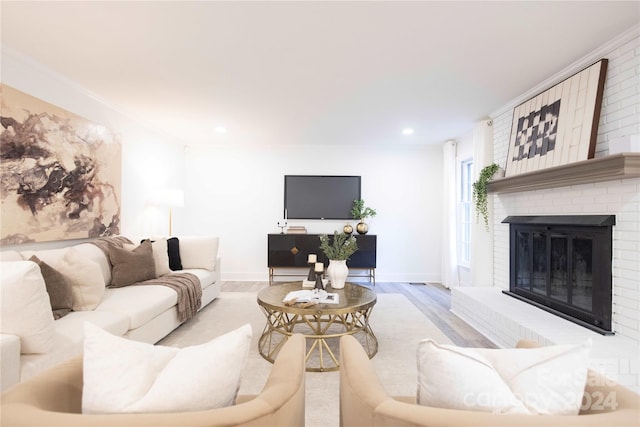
x,y
322,332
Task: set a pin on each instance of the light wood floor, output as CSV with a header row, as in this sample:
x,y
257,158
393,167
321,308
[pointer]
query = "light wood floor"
x,y
431,299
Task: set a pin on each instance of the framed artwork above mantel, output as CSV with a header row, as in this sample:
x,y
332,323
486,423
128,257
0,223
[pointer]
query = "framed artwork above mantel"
x,y
559,126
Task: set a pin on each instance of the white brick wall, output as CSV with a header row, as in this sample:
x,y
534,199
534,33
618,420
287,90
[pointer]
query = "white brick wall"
x,y
620,118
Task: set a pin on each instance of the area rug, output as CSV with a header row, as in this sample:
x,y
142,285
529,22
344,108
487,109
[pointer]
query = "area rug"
x,y
396,322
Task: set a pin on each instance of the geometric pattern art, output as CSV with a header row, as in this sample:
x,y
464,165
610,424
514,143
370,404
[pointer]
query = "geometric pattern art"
x,y
558,126
59,173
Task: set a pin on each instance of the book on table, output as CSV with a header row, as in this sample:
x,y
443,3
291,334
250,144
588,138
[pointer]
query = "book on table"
x,y
309,295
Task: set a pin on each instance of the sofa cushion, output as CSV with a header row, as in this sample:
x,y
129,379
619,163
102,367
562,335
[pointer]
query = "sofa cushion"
x,y
69,338
139,303
199,252
10,256
58,289
545,381
133,266
121,375
85,277
25,309
206,277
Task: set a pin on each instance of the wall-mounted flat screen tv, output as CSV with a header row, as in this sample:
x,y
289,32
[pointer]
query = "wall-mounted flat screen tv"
x,y
319,196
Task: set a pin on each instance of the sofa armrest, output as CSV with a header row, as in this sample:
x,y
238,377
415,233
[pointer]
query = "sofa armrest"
x,y
10,361
199,252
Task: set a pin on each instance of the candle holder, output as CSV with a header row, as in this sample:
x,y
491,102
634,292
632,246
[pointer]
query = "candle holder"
x,y
311,275
319,281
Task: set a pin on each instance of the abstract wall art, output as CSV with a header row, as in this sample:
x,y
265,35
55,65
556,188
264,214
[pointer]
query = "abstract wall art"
x,y
558,126
60,174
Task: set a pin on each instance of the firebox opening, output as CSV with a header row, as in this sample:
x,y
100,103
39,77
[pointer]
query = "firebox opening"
x,y
562,264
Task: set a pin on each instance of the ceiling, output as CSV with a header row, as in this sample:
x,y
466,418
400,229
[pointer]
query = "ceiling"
x,y
311,73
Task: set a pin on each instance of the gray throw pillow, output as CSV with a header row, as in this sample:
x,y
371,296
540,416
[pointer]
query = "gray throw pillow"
x,y
131,267
60,294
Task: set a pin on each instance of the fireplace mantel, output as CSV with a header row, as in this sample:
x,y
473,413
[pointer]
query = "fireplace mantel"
x,y
616,166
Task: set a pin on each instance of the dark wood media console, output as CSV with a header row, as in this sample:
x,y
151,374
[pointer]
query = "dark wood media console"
x,y
292,251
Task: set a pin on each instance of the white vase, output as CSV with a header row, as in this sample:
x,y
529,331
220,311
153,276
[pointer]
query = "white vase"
x,y
337,272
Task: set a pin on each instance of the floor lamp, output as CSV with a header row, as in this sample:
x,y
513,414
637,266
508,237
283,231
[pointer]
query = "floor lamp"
x,y
171,198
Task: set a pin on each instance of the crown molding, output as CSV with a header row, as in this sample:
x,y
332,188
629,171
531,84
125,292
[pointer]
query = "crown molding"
x,y
570,70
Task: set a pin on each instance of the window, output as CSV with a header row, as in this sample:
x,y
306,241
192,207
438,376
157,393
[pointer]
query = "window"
x,y
465,212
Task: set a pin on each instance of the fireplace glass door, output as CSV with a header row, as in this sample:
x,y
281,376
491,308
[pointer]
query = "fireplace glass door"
x,y
565,269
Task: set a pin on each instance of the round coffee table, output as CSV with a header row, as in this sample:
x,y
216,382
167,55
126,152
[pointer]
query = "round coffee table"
x,y
321,324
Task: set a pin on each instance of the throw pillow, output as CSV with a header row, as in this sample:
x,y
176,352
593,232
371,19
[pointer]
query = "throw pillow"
x,y
545,381
126,376
199,252
131,267
160,255
173,250
59,290
85,277
25,309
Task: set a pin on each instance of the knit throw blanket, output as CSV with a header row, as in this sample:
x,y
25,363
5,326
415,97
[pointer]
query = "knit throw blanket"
x,y
186,285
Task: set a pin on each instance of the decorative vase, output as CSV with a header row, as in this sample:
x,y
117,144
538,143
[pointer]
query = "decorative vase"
x,y
347,229
362,228
337,272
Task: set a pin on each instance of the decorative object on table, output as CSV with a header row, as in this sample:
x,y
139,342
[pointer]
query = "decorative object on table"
x,y
319,270
168,198
282,225
296,229
480,192
347,229
338,250
311,260
61,173
337,272
558,126
362,212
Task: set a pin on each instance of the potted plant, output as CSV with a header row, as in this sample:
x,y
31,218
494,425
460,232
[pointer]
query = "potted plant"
x,y
361,212
338,250
480,192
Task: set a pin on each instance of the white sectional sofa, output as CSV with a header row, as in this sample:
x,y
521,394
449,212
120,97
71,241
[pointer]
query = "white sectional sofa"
x,y
143,313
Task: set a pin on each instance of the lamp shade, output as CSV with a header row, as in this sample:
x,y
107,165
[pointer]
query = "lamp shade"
x,y
170,197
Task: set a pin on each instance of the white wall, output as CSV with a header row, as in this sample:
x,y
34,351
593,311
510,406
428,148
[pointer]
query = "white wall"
x,y
620,119
149,160
237,193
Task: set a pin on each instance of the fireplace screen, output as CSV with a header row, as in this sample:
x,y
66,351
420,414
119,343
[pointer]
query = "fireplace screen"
x,y
563,264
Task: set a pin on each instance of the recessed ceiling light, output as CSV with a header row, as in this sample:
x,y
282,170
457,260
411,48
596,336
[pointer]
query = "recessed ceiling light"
x,y
407,131
221,129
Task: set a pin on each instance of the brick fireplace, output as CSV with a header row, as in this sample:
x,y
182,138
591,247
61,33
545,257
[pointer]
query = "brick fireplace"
x,y
505,320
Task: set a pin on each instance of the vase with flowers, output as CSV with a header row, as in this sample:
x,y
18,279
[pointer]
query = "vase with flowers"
x,y
338,249
362,212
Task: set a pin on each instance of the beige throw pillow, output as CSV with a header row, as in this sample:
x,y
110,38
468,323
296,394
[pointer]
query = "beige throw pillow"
x,y
131,267
161,256
85,277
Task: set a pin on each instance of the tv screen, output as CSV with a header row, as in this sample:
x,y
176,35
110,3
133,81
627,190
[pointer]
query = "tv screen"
x,y
320,197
